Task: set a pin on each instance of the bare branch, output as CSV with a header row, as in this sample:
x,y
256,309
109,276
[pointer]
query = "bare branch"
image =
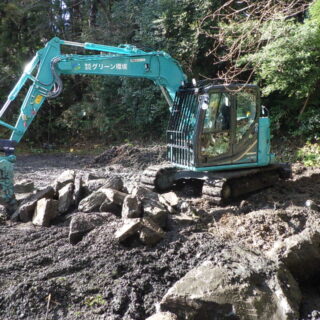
x,y
236,31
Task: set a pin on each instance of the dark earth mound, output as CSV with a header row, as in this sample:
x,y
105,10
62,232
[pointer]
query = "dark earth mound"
x,y
132,156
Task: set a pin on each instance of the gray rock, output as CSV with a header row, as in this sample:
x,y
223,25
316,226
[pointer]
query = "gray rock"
x,y
78,190
66,197
64,178
187,208
300,253
236,283
183,219
46,211
3,214
94,176
130,186
169,198
245,206
155,210
115,183
144,193
109,206
150,233
113,195
82,223
163,316
184,206
20,197
312,205
131,207
24,186
94,185
129,228
92,202
26,209
3,210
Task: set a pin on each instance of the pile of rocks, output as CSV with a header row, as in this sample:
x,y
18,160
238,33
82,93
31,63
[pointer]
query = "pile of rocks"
x,y
43,206
88,200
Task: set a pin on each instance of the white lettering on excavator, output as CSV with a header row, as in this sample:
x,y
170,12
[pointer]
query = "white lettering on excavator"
x,y
101,66
138,60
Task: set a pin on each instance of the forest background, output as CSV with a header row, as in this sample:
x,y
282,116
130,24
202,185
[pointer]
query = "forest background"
x,y
275,44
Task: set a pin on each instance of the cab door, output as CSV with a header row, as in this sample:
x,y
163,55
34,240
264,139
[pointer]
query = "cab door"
x,y
245,146
216,134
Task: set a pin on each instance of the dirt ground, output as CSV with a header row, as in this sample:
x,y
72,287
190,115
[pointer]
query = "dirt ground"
x,y
42,276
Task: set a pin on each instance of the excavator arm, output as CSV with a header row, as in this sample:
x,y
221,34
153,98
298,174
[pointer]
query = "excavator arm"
x,y
49,64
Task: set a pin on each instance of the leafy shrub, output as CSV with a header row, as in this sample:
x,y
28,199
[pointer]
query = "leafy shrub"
x,y
309,154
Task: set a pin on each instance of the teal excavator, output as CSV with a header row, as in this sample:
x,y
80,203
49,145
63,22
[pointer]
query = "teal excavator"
x,y
217,134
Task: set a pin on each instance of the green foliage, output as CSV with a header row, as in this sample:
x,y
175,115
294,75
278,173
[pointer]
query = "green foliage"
x,y
309,154
179,24
309,127
290,63
95,301
315,12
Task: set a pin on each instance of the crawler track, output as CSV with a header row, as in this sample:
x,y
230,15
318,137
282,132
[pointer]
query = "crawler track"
x,y
222,190
159,177
218,187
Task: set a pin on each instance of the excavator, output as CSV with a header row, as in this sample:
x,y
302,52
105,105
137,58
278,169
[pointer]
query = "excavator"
x,y
217,134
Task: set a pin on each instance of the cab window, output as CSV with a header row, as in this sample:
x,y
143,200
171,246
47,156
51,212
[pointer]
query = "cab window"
x,y
215,138
246,112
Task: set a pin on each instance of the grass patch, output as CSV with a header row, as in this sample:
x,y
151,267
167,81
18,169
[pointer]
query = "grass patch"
x,y
309,154
95,301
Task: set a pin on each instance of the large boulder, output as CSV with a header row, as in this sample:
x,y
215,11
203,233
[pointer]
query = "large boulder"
x,y
46,211
236,283
300,253
26,209
82,223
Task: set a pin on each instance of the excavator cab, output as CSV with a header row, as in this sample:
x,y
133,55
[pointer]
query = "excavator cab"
x,y
219,135
217,125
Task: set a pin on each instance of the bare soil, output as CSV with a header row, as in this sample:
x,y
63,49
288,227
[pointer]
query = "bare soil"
x,y
42,276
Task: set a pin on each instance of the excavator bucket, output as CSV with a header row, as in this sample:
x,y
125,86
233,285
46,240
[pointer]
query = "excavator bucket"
x,y
7,197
